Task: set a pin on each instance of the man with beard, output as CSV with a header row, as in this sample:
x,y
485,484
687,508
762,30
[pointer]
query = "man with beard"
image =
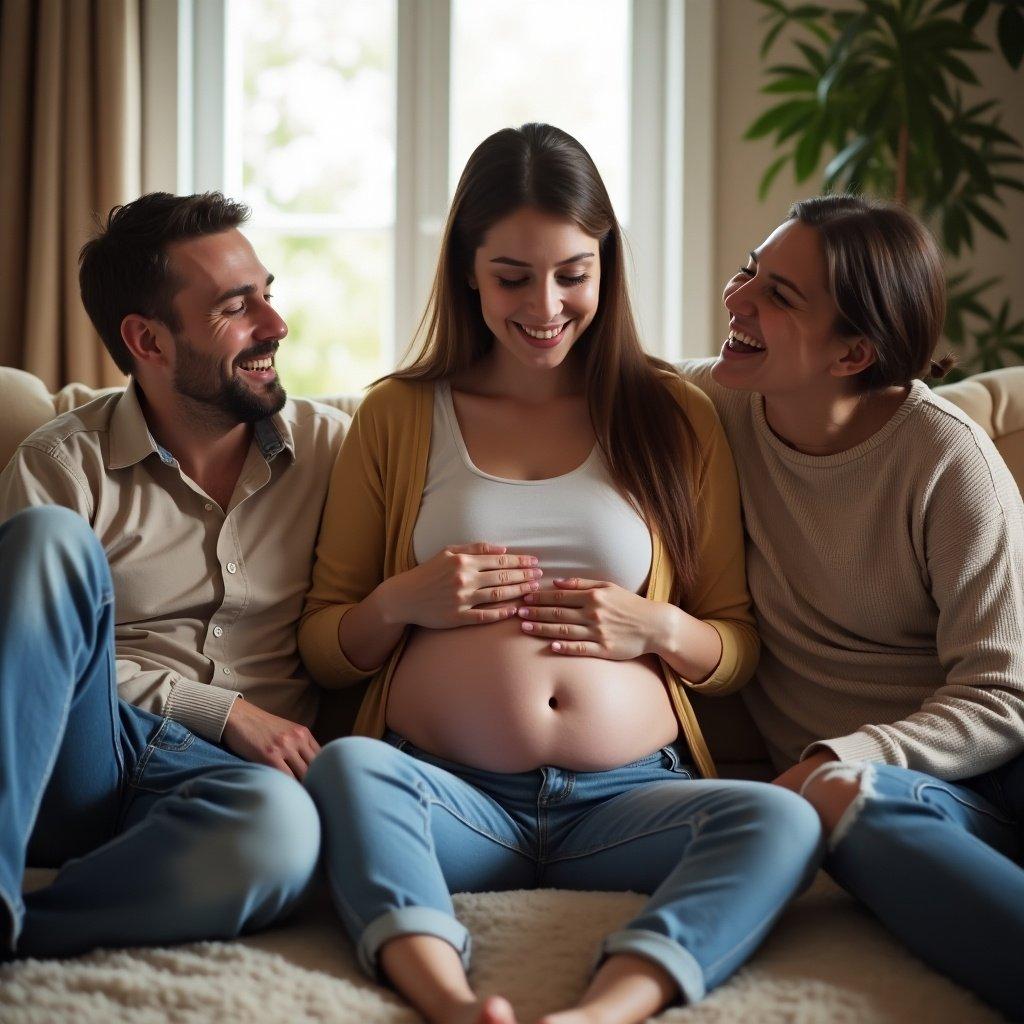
x,y
156,547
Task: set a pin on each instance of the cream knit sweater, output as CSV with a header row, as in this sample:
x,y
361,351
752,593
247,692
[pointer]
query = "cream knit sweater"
x,y
889,587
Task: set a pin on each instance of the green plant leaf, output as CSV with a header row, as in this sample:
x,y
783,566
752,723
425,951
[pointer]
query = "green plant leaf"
x,y
1010,32
778,116
958,69
770,175
814,57
808,150
770,36
983,217
846,157
974,12
803,83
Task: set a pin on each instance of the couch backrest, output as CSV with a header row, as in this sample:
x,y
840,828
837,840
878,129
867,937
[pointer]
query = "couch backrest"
x,y
995,400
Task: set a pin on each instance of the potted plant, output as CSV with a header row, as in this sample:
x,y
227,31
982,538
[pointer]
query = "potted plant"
x,y
877,92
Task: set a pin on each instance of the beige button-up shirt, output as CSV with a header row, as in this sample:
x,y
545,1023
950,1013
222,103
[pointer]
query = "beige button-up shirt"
x,y
207,599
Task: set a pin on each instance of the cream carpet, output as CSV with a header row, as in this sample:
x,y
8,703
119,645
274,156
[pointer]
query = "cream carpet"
x,y
826,963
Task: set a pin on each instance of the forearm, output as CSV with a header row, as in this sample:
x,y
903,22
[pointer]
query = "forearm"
x,y
201,707
371,629
688,645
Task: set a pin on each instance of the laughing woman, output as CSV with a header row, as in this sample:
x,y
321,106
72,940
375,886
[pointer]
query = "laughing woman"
x,y
533,546
886,560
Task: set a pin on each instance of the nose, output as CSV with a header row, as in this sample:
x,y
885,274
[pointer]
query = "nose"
x,y
271,324
546,300
739,297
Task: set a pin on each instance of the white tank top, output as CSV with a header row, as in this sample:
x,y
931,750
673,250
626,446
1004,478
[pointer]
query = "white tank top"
x,y
577,524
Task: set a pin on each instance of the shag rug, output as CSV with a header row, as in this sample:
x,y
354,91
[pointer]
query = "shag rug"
x,y
827,962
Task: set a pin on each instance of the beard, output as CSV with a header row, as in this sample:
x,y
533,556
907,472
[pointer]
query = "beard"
x,y
198,377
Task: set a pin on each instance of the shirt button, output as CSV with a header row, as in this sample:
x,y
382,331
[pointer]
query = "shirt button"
x,y
231,567
226,670
217,631
208,506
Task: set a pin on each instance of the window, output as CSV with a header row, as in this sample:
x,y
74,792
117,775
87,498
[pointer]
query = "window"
x,y
346,123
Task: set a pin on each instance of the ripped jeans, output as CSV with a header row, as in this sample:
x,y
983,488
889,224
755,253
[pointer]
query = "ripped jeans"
x,y
939,863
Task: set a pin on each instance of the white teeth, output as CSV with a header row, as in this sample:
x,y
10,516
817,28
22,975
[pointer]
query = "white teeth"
x,y
258,364
543,335
745,339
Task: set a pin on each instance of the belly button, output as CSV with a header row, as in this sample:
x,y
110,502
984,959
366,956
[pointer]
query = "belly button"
x,y
552,703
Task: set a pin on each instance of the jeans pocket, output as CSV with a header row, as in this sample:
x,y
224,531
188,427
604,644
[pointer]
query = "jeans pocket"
x,y
672,761
172,736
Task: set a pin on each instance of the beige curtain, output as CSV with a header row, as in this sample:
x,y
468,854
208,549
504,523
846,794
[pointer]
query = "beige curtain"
x,y
70,101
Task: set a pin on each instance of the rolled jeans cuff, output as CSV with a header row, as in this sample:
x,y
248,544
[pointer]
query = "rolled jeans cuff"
x,y
411,921
677,962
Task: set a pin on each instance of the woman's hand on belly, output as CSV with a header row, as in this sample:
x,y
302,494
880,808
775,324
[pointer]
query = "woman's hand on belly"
x,y
591,618
461,585
594,619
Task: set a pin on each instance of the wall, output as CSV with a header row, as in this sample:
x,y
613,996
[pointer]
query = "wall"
x,y
743,221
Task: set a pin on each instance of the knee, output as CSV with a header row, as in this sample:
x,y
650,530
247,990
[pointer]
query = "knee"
x,y
44,527
779,816
279,836
52,543
833,789
343,765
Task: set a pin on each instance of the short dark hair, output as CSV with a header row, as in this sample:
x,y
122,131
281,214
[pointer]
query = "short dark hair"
x,y
125,268
886,276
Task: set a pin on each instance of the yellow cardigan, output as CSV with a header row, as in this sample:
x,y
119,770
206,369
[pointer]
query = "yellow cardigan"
x,y
366,537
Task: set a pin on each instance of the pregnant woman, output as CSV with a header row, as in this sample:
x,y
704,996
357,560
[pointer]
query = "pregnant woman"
x,y
532,544
886,560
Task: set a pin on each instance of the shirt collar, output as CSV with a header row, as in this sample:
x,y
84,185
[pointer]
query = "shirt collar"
x,y
131,441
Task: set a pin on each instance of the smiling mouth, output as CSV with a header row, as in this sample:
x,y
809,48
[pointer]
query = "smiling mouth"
x,y
740,341
542,337
256,365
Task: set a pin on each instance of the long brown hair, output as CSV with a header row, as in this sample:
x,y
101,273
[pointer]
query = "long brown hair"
x,y
647,441
885,274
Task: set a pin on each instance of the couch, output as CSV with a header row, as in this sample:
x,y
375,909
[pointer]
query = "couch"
x,y
826,961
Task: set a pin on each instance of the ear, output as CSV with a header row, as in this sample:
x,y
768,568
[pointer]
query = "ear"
x,y
471,281
855,355
146,339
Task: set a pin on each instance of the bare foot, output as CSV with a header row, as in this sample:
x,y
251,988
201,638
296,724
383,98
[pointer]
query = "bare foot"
x,y
576,1016
492,1010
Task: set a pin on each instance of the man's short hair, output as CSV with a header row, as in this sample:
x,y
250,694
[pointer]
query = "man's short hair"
x,y
125,268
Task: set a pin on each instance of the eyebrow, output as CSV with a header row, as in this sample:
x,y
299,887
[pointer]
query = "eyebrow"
x,y
244,289
561,263
782,280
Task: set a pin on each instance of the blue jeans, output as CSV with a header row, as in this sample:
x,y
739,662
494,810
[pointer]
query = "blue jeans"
x,y
160,836
939,863
403,829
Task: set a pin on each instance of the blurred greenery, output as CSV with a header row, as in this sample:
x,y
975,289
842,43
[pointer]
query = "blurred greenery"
x,y
878,92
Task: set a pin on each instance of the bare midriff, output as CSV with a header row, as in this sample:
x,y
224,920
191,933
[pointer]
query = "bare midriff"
x,y
490,697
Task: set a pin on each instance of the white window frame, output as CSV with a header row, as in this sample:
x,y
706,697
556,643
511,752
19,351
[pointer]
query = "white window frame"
x,y
188,63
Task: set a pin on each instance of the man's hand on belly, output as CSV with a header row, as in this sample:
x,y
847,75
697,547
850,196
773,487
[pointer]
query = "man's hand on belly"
x,y
591,618
461,585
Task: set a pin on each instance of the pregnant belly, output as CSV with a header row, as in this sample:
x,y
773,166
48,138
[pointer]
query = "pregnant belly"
x,y
492,698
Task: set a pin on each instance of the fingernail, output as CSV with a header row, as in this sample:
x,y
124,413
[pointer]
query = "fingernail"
x,y
528,599
528,626
524,612
535,585
556,646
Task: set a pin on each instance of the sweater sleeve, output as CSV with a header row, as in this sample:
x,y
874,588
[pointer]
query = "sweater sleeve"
x,y
719,594
974,566
350,552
